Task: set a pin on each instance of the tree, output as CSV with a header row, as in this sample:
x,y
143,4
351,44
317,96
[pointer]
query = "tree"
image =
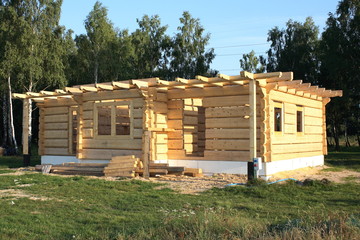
x,y
340,68
33,50
295,49
149,42
252,63
95,47
188,56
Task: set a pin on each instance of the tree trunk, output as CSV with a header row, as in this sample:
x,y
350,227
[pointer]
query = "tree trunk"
x,y
11,119
96,71
347,142
358,138
5,120
336,138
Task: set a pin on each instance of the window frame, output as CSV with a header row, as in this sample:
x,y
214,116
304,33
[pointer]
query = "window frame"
x,y
113,105
281,106
300,108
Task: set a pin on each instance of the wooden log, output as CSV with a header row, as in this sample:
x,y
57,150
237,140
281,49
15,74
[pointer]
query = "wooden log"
x,y
55,110
227,123
208,92
226,101
126,144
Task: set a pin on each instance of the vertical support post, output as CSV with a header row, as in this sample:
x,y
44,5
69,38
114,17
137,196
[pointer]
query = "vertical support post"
x,y
253,130
146,153
26,131
80,122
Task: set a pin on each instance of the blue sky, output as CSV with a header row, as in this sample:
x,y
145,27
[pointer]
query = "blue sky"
x,y
233,24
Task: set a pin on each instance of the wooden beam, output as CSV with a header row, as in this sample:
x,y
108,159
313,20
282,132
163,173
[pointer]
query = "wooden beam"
x,y
60,91
25,125
230,78
48,93
104,86
89,89
33,94
252,102
290,84
247,75
125,85
19,96
285,76
73,90
267,75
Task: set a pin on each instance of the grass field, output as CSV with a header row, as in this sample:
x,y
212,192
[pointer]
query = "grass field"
x,y
36,206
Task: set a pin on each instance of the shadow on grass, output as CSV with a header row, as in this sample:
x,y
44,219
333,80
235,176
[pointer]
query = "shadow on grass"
x,y
16,161
346,158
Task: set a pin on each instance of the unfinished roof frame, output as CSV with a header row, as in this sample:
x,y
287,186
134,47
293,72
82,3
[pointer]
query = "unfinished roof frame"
x,y
181,89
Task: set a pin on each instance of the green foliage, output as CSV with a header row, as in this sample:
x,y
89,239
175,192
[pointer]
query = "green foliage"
x,y
340,57
295,49
188,55
252,63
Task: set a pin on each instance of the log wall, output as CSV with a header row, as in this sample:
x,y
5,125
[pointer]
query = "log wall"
x,y
289,143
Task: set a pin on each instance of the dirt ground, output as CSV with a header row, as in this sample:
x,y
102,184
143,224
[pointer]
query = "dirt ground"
x,y
195,185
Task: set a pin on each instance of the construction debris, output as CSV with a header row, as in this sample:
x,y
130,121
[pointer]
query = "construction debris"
x,y
119,166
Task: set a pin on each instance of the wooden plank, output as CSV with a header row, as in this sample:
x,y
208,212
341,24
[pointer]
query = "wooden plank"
x,y
88,133
227,123
56,118
208,92
178,134
175,124
190,120
109,95
294,138
146,148
226,101
58,143
313,121
131,144
60,102
88,115
159,107
56,151
137,133
289,98
227,155
161,148
224,112
137,113
238,144
107,154
278,157
175,104
56,126
296,148
252,120
175,154
313,129
175,144
313,112
56,110
231,133
57,134
175,114
25,125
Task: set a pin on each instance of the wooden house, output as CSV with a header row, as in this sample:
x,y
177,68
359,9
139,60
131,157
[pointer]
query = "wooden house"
x,y
217,124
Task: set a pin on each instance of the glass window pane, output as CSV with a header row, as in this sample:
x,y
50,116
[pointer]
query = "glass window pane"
x,y
278,119
299,121
104,120
122,120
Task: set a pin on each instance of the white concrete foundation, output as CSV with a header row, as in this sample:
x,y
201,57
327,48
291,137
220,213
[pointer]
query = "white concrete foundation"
x,y
65,159
237,167
210,167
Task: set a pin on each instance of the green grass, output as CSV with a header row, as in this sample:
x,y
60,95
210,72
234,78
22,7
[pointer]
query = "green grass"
x,y
83,208
52,207
346,158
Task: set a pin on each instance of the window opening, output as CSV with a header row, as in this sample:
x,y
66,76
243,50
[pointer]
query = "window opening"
x,y
299,119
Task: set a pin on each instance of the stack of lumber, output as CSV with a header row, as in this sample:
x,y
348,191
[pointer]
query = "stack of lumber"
x,y
119,166
91,169
123,166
